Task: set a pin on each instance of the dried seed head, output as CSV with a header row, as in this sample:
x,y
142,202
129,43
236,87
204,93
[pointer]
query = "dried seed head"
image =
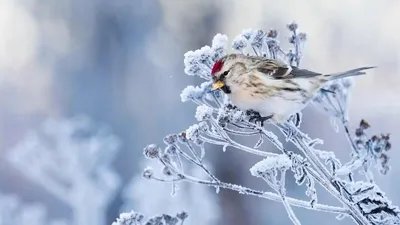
x,y
170,139
182,137
385,137
302,36
182,216
148,173
364,124
151,151
170,149
292,26
272,33
169,220
166,171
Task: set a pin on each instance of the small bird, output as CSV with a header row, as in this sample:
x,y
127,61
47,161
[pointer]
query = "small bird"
x,y
270,88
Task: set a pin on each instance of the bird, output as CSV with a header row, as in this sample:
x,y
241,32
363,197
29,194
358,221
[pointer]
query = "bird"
x,y
270,89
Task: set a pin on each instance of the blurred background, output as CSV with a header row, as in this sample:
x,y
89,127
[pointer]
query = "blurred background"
x,y
76,73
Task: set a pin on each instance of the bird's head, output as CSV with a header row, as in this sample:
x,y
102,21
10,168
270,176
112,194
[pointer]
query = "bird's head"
x,y
224,71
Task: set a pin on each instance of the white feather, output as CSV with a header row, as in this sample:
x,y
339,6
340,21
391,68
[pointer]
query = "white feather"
x,y
281,106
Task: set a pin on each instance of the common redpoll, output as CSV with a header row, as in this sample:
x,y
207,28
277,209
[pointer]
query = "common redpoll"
x,y
271,88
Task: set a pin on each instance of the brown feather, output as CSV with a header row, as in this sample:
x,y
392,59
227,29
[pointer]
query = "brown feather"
x,y
280,70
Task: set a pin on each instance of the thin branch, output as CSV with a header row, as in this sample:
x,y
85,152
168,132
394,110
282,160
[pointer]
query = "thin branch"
x,y
251,150
289,210
345,123
348,135
267,195
241,133
166,181
232,143
197,162
297,139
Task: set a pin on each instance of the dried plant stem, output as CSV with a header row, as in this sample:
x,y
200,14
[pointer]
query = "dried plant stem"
x,y
281,191
289,210
328,180
262,194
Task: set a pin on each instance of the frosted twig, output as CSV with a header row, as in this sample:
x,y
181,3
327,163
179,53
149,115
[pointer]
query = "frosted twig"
x,y
262,194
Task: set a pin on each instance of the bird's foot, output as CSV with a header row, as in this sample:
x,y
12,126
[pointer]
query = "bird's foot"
x,y
255,117
231,106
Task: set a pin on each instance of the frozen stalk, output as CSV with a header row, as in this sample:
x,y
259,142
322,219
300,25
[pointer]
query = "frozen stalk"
x,y
219,121
135,218
273,171
155,198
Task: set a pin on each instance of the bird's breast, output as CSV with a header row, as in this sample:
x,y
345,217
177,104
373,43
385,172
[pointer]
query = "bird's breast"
x,y
280,99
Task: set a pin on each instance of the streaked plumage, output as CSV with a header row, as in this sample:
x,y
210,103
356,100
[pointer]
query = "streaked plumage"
x,y
270,87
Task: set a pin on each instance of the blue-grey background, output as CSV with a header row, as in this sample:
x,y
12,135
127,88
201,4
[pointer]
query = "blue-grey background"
x,y
121,63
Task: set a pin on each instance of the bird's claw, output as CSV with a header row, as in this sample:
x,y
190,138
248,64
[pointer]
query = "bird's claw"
x,y
231,107
255,117
252,114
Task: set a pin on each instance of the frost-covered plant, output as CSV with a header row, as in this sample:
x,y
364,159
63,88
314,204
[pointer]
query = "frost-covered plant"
x,y
220,121
198,201
135,218
71,159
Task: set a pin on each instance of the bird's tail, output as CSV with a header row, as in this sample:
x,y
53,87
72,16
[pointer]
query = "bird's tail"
x,y
349,73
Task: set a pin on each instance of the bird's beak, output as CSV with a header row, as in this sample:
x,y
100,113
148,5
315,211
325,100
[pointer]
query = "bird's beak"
x,y
217,85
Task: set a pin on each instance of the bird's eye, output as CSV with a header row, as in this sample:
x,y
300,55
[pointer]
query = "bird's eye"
x,y
225,73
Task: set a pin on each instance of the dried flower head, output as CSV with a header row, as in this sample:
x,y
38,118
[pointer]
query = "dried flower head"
x,y
280,162
293,26
151,151
148,173
170,139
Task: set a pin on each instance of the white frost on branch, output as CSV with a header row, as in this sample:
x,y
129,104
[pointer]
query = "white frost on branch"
x,y
200,62
191,93
135,218
280,162
154,198
129,218
239,43
203,112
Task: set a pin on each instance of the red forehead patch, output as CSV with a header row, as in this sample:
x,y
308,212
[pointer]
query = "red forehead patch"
x,y
217,67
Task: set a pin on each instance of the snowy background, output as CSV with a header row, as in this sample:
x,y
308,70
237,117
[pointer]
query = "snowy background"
x,y
85,85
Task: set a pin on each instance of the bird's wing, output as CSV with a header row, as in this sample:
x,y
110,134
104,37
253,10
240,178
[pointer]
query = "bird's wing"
x,y
273,68
303,73
280,70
